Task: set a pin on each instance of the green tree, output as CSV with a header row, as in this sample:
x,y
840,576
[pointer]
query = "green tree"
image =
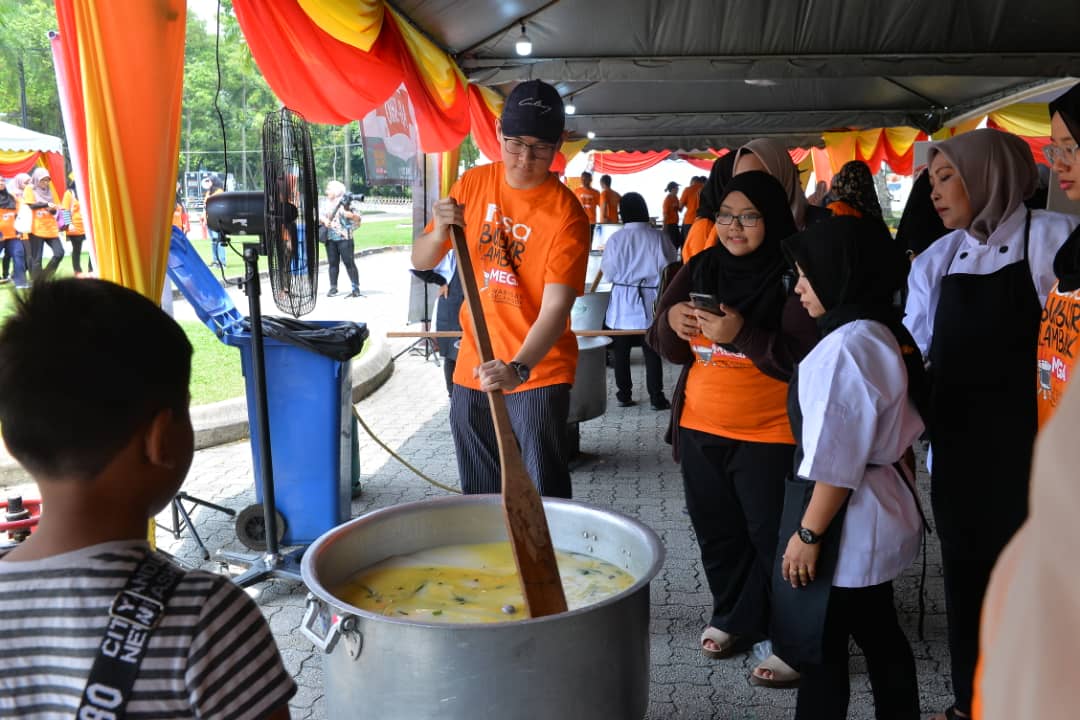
x,y
27,59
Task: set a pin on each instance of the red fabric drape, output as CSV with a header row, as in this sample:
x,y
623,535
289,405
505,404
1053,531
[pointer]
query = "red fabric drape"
x,y
317,75
798,154
624,163
65,51
328,81
876,157
483,124
700,163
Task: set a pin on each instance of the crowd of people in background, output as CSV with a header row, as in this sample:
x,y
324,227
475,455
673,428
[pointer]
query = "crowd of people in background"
x,y
31,219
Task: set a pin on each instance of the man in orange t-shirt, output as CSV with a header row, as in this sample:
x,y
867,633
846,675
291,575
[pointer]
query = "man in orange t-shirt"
x,y
609,201
588,196
528,238
671,214
688,202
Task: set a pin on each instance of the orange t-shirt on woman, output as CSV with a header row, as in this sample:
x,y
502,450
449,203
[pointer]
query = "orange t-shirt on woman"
x,y
1058,346
44,221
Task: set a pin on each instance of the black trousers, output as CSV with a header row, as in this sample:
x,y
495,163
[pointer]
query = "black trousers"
x,y
8,247
620,358
37,244
674,233
76,253
869,616
735,495
343,251
538,418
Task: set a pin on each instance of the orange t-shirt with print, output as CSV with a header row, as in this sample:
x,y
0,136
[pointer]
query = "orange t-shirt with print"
x,y
727,395
73,206
702,236
590,200
671,210
44,225
519,241
7,223
609,206
1058,347
690,199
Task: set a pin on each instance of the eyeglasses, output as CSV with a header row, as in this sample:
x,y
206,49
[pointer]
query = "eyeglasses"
x,y
1054,153
745,220
540,151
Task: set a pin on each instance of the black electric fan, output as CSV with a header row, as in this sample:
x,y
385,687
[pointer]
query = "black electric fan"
x,y
285,219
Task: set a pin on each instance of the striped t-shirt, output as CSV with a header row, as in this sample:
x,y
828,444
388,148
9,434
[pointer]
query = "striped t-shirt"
x,y
212,655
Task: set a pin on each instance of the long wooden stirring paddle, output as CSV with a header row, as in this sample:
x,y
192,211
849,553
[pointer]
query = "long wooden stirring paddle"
x,y
523,510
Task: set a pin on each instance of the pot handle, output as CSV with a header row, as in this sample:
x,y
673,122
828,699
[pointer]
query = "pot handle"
x,y
317,615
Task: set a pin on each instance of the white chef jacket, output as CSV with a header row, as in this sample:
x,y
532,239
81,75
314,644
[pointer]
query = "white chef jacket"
x,y
960,253
633,260
857,421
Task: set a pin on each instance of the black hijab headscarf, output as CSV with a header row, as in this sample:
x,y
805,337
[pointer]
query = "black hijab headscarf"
x,y
855,185
751,283
7,200
632,208
712,192
856,269
1067,260
920,225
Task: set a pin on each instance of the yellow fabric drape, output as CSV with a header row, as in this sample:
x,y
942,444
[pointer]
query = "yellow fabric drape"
x,y
492,99
966,126
133,132
1024,119
448,170
840,147
901,138
353,22
572,147
442,77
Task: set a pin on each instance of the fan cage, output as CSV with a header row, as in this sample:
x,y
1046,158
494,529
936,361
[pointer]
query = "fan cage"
x,y
292,212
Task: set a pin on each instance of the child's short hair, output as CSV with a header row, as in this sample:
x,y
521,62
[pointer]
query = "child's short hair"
x,y
132,359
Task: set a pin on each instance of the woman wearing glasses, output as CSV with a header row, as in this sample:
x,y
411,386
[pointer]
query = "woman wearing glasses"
x,y
735,325
974,304
1034,595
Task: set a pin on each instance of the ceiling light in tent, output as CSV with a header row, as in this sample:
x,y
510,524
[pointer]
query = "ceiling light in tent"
x,y
590,135
524,44
760,82
570,109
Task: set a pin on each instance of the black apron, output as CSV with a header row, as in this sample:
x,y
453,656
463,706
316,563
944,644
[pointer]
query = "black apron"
x,y
982,404
798,622
447,317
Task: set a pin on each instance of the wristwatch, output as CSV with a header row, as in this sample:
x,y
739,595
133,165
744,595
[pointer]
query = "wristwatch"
x,y
521,369
808,536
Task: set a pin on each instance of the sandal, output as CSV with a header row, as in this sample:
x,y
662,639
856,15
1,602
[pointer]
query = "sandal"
x,y
726,643
782,675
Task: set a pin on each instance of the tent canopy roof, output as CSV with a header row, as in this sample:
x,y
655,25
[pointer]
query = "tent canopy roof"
x,y
687,74
17,139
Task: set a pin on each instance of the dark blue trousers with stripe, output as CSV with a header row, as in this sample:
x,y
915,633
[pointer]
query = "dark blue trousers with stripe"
x,y
538,418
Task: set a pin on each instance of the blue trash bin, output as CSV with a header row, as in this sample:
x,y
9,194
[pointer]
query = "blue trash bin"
x,y
309,407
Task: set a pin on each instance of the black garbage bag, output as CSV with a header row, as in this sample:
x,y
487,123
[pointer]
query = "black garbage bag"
x,y
340,341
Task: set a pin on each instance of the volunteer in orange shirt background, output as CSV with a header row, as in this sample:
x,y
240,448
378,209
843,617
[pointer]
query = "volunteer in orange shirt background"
x,y
528,238
38,195
671,214
609,201
702,233
688,203
9,243
588,196
75,232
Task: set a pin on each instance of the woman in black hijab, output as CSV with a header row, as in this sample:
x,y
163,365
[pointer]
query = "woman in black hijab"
x,y
851,521
702,235
9,244
734,325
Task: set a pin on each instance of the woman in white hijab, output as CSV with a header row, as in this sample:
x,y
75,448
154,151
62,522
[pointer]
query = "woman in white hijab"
x,y
976,297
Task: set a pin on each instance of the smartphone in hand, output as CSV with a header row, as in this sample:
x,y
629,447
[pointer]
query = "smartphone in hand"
x,y
706,302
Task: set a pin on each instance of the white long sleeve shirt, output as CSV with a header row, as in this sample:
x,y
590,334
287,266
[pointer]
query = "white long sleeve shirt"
x,y
633,260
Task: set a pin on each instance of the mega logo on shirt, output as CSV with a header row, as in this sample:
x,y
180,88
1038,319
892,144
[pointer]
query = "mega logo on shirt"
x,y
502,244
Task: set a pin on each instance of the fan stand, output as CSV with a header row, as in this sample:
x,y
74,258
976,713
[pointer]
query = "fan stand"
x,y
271,563
423,346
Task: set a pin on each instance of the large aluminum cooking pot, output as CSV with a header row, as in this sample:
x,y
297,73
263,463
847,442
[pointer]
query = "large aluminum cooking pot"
x,y
586,664
588,394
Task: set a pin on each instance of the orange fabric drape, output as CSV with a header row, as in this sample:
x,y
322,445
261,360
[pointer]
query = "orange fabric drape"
x,y
482,113
65,52
624,163
132,129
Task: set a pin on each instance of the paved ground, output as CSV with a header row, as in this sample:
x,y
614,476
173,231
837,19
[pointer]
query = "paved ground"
x,y
624,466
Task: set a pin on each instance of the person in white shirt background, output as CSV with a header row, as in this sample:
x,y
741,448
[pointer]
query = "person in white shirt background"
x,y
634,258
975,299
851,521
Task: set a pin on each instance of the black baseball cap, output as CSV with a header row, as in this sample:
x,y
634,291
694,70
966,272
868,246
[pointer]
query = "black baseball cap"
x,y
534,108
672,186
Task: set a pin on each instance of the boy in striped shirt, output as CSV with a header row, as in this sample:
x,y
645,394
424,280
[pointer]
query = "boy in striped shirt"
x,y
105,463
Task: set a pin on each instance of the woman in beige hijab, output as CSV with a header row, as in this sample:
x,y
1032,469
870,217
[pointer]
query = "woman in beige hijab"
x,y
974,304
770,156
